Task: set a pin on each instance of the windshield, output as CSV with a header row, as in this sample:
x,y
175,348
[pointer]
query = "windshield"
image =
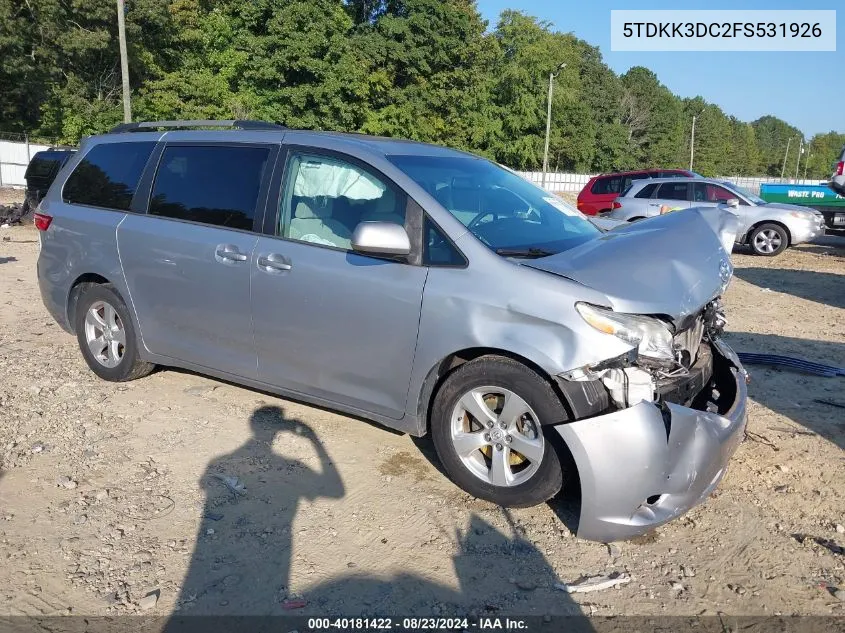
x,y
507,213
742,190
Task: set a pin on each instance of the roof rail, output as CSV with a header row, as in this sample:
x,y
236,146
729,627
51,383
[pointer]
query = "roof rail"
x,y
239,124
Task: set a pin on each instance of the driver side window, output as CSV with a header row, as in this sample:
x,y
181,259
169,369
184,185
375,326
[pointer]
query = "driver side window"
x,y
325,198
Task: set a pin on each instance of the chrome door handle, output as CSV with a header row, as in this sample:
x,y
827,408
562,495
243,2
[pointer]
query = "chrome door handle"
x,y
273,263
229,253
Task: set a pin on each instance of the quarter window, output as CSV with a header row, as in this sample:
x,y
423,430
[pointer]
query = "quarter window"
x,y
437,249
610,184
212,184
108,175
672,191
325,198
646,191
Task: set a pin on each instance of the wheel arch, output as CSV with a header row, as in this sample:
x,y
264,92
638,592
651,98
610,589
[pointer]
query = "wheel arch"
x,y
441,370
757,225
76,288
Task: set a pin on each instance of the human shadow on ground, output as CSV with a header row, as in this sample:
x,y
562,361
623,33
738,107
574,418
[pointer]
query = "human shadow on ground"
x,y
6,260
827,288
794,394
248,572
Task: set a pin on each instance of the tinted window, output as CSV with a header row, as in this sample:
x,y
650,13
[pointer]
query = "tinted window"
x,y
41,167
672,191
108,175
706,192
646,191
215,184
325,198
438,250
609,184
671,174
627,180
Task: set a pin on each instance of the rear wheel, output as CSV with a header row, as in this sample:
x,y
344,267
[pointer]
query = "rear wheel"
x,y
769,240
106,335
487,427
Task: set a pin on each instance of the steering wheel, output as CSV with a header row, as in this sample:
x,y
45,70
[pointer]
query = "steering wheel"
x,y
477,219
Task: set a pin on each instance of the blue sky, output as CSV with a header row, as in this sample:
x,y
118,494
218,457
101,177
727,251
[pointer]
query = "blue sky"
x,y
804,89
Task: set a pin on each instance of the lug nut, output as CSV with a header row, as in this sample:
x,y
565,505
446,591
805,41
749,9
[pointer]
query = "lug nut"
x,y
508,439
503,425
489,425
498,447
486,437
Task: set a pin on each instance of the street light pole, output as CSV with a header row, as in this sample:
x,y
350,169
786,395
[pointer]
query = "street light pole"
x,y
124,61
552,76
783,169
692,143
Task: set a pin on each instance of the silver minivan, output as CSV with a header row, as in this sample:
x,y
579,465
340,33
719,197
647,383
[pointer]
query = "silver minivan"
x,y
424,288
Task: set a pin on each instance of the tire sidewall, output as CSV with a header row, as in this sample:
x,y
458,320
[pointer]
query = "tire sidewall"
x,y
763,227
104,293
511,375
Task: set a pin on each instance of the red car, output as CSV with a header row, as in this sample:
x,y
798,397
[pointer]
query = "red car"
x,y
600,192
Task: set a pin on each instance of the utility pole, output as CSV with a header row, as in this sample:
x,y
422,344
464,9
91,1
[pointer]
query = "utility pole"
x,y
783,169
798,161
807,160
692,143
552,76
124,61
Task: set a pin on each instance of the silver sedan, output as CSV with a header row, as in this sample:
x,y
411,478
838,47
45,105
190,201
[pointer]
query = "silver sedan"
x,y
767,227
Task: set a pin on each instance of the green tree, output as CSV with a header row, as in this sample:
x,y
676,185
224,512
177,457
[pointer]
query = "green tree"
x,y
773,137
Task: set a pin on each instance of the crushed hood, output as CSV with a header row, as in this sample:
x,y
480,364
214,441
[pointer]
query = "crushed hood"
x,y
673,264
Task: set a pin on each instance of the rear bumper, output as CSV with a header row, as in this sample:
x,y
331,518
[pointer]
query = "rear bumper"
x,y
645,465
55,300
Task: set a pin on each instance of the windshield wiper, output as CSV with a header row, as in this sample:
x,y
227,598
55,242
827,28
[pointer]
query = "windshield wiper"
x,y
524,252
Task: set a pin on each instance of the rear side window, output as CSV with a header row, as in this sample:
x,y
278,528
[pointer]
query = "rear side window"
x,y
646,191
212,184
672,191
609,184
41,167
108,175
630,178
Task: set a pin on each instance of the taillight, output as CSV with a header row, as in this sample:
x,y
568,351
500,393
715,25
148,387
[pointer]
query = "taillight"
x,y
616,205
840,168
42,221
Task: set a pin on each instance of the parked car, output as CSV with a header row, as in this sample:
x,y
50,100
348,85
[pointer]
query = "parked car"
x,y
417,286
837,179
600,191
40,173
768,227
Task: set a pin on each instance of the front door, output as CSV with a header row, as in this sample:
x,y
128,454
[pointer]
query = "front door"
x,y
187,262
329,322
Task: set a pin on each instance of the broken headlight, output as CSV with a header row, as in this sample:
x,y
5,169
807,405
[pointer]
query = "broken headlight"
x,y
652,336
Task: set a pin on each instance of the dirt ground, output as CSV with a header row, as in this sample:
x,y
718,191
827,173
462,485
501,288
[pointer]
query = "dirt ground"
x,y
114,498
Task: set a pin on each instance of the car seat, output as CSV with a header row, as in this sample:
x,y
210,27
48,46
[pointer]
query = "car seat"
x,y
312,222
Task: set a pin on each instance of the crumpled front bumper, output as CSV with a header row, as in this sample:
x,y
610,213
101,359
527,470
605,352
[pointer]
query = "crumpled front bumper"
x,y
645,465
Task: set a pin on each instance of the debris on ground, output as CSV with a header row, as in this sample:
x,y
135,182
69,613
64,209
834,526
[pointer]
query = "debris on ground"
x,y
232,483
149,601
595,583
289,605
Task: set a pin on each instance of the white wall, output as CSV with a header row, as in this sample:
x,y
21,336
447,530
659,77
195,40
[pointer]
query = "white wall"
x,y
14,157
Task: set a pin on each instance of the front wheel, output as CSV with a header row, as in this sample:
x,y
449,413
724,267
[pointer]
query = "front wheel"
x,y
769,240
487,427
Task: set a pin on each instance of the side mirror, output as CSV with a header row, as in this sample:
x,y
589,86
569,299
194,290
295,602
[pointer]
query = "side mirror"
x,y
733,203
381,238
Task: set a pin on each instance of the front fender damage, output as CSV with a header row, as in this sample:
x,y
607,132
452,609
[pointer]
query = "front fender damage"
x,y
644,465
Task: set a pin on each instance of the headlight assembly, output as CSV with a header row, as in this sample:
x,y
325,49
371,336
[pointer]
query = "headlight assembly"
x,y
652,336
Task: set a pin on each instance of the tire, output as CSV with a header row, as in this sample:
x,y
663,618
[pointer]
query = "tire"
x,y
533,481
118,359
768,240
636,219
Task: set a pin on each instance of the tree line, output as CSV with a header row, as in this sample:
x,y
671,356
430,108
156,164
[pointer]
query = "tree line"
x,y
429,70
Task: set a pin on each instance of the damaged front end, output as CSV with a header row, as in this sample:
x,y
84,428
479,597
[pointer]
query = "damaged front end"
x,y
673,411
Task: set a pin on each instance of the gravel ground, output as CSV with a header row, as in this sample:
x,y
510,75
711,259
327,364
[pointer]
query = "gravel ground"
x,y
121,499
